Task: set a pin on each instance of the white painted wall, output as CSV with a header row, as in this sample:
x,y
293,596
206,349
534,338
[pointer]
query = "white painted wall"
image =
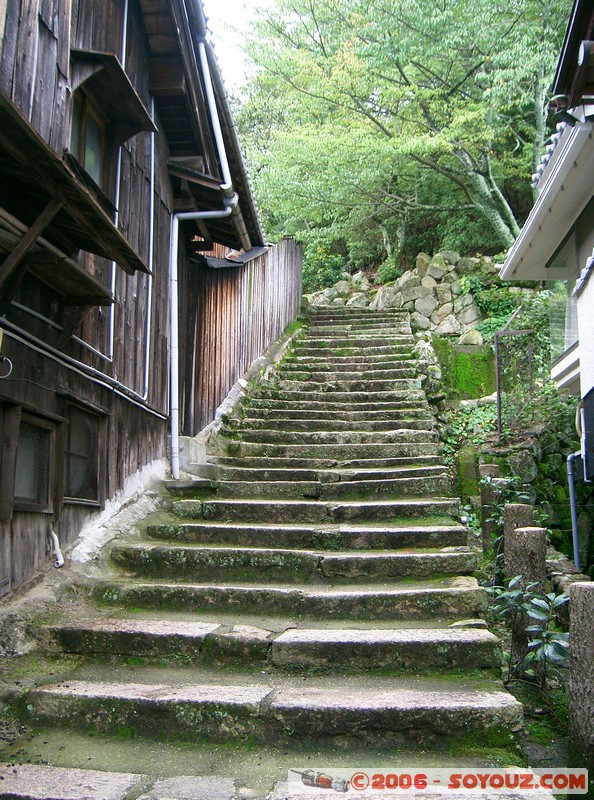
x,y
586,331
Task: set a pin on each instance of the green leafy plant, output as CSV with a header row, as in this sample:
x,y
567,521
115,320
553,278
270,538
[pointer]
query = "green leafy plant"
x,y
546,644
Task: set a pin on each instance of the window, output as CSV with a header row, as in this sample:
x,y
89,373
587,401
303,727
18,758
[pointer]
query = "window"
x,y
81,455
33,464
87,138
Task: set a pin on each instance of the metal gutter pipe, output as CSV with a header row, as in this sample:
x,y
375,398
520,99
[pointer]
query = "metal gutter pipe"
x,y
230,203
572,502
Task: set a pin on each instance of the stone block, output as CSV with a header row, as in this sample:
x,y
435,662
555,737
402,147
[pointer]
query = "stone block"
x,y
456,287
426,305
441,313
418,322
411,292
358,300
469,315
423,261
450,257
581,678
472,338
449,326
462,302
387,297
437,268
428,281
444,293
342,287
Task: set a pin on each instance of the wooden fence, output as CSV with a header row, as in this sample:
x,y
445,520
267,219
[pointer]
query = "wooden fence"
x,y
233,315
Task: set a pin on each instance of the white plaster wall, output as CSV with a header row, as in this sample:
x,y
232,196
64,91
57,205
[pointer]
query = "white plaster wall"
x,y
585,310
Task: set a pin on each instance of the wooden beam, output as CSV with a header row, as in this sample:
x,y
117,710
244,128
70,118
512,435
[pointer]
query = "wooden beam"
x,y
12,261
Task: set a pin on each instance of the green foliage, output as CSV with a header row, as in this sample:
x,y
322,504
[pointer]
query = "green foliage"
x,y
465,376
389,270
546,644
394,126
468,426
321,267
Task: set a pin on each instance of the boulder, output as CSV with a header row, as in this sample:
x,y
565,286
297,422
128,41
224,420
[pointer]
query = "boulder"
x,y
449,327
456,287
387,297
423,261
437,268
469,315
426,305
339,301
323,298
462,301
465,265
444,293
342,288
441,313
359,279
418,322
428,281
358,300
471,338
450,257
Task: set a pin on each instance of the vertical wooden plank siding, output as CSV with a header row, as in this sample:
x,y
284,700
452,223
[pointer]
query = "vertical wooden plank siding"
x,y
240,311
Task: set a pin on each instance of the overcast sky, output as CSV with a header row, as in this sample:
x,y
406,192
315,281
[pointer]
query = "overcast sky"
x,y
226,18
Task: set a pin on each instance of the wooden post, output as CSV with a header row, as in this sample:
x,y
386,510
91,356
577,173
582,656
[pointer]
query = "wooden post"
x,y
581,678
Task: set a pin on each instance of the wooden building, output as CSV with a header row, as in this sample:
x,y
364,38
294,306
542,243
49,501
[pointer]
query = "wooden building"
x,y
115,133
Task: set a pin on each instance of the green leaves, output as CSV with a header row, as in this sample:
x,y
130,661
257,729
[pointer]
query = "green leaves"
x,y
399,124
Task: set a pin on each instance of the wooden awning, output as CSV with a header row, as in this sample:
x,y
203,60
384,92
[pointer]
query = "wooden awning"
x,y
32,175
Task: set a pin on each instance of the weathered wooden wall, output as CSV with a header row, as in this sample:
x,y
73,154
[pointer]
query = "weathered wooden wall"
x,y
124,346
234,315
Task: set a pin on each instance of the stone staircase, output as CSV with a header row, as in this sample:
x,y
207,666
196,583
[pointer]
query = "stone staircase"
x,y
310,588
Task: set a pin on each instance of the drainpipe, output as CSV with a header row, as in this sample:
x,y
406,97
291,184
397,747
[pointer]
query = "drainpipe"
x,y
230,203
59,562
572,502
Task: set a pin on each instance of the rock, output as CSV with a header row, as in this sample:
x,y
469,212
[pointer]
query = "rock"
x,y
465,265
423,261
437,268
418,322
387,297
442,312
444,294
450,257
410,292
358,300
359,279
323,298
449,327
428,281
462,302
472,338
426,305
469,315
524,465
339,301
456,287
342,288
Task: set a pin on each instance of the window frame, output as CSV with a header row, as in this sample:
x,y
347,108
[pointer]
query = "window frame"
x,y
23,504
100,418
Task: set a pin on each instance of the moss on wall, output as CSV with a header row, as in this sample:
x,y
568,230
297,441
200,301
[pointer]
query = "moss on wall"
x,y
467,372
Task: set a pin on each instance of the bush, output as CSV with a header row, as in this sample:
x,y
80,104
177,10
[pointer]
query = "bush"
x,y
389,271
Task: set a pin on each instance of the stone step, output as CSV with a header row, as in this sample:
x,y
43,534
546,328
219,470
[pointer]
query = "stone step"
x,y
338,452
326,351
351,385
315,511
417,432
367,649
396,402
314,489
447,599
395,648
309,464
378,362
41,782
354,341
239,564
420,421
314,415
269,472
404,712
340,376
336,399
433,533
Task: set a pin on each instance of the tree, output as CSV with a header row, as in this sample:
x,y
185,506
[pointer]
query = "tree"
x,y
397,115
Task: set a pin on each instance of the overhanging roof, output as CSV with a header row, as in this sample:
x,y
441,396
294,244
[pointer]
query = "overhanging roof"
x,y
566,190
31,173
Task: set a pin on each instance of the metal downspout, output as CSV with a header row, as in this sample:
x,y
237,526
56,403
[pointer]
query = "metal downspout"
x,y
572,502
227,211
